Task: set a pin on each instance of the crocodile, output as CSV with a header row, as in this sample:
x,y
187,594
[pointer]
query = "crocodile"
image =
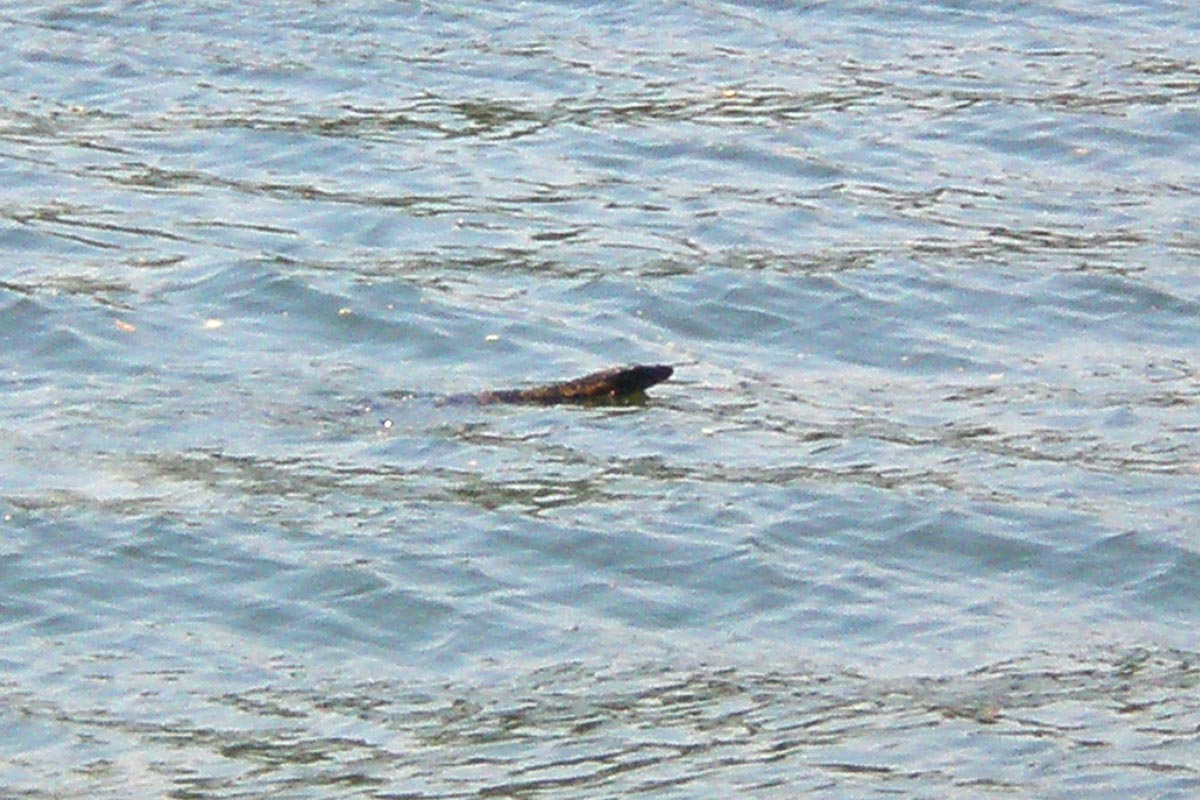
x,y
615,384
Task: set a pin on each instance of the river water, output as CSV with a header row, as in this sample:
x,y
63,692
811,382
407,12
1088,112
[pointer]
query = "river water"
x,y
917,516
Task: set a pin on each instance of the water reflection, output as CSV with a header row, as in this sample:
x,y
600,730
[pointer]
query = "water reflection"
x,y
629,728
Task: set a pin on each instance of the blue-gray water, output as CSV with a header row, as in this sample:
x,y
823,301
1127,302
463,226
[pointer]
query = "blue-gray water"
x,y
918,515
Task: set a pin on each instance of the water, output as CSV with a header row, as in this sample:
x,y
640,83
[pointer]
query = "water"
x,y
916,516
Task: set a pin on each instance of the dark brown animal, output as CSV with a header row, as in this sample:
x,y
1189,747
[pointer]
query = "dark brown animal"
x,y
609,385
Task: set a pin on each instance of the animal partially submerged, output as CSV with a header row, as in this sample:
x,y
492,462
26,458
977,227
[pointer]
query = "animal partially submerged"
x,y
608,385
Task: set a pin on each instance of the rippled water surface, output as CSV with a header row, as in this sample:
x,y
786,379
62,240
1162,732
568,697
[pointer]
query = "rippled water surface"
x,y
917,515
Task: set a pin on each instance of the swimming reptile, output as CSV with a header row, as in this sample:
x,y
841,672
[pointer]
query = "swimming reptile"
x,y
607,385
